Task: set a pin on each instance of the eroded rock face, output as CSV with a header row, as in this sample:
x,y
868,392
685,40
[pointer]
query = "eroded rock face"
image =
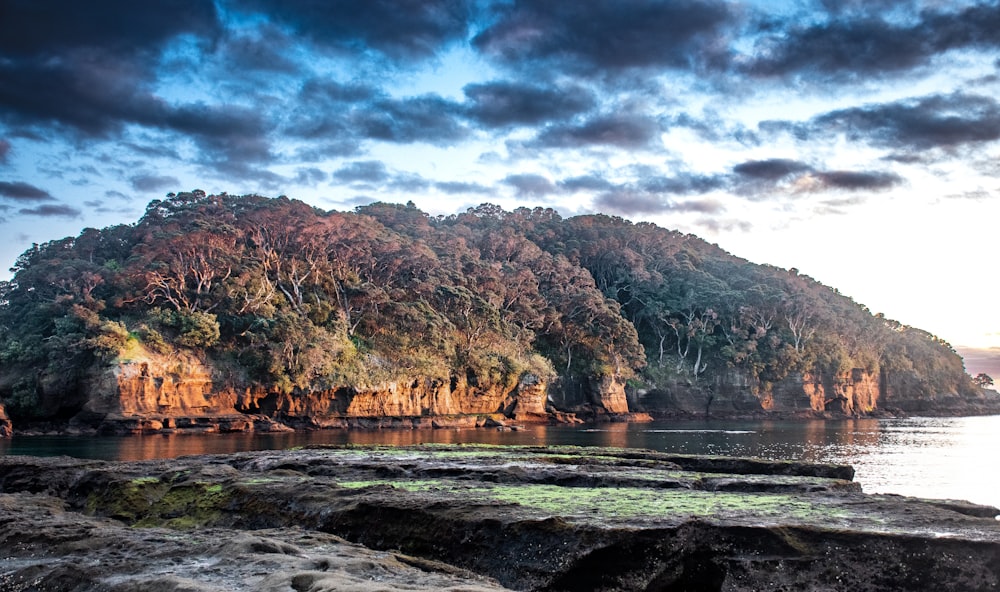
x,y
610,394
856,393
852,393
6,430
185,392
174,386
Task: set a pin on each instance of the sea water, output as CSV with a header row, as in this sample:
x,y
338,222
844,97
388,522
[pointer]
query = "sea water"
x,y
950,458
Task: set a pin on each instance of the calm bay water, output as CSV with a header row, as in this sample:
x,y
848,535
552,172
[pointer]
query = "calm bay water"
x,y
955,458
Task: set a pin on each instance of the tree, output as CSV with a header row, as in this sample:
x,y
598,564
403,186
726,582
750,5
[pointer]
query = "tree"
x,y
983,380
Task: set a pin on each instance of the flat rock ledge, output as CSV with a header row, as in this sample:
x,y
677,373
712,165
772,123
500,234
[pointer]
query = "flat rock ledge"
x,y
477,518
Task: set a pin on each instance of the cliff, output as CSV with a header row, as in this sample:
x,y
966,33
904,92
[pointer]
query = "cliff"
x,y
857,393
6,430
183,391
151,393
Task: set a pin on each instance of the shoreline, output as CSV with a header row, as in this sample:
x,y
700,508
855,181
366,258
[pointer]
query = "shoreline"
x,y
240,423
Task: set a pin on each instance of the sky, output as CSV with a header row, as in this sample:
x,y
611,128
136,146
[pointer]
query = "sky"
x,y
854,140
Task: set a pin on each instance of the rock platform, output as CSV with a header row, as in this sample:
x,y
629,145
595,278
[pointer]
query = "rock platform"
x,y
477,518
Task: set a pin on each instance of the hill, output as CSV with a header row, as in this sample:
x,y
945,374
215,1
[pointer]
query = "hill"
x,y
246,312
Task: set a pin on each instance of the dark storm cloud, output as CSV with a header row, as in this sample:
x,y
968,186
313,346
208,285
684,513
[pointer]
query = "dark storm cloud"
x,y
368,171
602,36
264,50
90,70
863,43
399,30
31,28
151,182
92,94
4,151
51,211
20,191
858,180
459,187
88,65
322,105
501,104
428,118
356,112
773,169
623,131
531,185
227,133
938,121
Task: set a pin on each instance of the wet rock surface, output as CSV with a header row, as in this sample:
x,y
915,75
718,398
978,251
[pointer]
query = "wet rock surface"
x,y
474,517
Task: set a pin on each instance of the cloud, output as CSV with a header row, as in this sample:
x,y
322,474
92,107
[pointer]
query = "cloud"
x,y
402,31
847,181
530,185
586,183
408,182
623,131
428,118
773,169
500,104
681,184
4,151
907,126
117,195
459,187
151,182
727,225
51,211
855,43
20,191
606,36
264,50
57,26
90,66
224,132
629,202
368,171
351,113
309,176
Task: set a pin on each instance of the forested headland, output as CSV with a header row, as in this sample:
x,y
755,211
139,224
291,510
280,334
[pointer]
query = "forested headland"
x,y
283,310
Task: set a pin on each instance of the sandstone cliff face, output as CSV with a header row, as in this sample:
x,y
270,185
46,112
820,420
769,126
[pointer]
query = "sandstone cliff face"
x,y
6,431
610,394
153,393
907,393
851,394
171,386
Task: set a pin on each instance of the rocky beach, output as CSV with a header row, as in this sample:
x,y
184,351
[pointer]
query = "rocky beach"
x,y
477,518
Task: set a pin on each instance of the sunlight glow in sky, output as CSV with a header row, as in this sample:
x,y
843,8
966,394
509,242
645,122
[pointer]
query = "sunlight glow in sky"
x,y
855,140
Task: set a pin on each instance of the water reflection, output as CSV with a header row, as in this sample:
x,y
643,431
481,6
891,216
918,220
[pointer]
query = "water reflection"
x,y
939,457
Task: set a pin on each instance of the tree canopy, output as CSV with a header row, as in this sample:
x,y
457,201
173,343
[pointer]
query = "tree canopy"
x,y
303,298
